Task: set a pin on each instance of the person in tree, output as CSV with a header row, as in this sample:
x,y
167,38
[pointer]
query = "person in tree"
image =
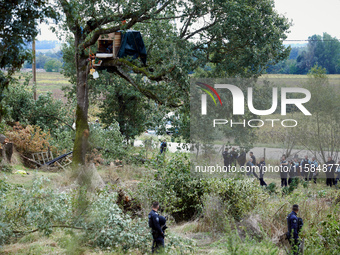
x,y
163,146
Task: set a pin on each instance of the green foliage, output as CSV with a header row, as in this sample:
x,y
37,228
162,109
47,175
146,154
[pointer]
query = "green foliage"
x,y
97,217
109,141
165,81
46,112
18,25
271,188
53,65
123,104
238,196
323,50
234,243
320,131
178,192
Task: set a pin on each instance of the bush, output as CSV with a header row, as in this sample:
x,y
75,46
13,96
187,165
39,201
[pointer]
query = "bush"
x,y
238,196
46,112
179,193
97,216
29,139
108,141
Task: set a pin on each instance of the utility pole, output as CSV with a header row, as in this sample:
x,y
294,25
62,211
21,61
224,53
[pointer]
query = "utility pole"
x,y
34,71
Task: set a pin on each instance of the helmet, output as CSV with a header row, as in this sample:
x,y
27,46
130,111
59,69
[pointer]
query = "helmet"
x,y
162,220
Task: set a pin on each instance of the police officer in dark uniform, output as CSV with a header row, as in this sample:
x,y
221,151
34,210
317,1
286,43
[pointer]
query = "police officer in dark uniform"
x,y
227,159
284,171
234,156
261,166
294,226
305,165
163,146
330,172
156,222
251,154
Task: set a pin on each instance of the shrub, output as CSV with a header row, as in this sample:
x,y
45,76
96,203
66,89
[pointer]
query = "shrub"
x,y
108,141
29,139
238,196
96,216
174,187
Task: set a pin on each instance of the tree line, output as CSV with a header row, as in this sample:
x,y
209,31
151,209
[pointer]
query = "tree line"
x,y
322,50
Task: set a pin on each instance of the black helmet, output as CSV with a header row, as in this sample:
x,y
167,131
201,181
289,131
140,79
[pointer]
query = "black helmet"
x,y
162,220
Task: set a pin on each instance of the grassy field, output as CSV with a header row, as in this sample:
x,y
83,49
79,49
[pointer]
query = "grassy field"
x,y
53,82
48,82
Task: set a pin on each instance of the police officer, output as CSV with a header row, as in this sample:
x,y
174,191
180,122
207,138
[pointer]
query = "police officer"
x,y
330,164
163,146
294,226
226,159
305,165
155,222
284,171
293,171
314,169
261,166
250,167
234,156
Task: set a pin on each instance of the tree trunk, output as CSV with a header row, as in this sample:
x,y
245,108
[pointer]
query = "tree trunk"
x,y
82,127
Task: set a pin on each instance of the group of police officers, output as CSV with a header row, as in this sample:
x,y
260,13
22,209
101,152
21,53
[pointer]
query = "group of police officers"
x,y
308,169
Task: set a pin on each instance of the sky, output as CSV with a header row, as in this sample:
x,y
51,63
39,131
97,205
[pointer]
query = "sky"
x,y
309,17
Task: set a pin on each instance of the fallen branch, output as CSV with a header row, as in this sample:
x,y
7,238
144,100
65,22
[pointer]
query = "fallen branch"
x,y
31,160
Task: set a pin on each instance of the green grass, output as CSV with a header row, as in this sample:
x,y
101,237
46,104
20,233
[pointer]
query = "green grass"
x,y
48,82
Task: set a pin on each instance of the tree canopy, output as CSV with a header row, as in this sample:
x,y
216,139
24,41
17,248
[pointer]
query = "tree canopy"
x,y
237,37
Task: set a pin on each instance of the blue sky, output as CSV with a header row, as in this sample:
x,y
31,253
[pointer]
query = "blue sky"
x,y
309,17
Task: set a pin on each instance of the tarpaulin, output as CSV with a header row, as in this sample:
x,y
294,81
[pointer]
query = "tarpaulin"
x,y
132,45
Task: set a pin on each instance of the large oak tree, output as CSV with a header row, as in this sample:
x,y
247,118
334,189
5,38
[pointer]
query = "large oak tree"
x,y
238,37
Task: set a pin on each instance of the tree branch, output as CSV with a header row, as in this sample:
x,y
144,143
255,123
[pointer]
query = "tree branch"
x,y
201,29
66,8
57,118
144,91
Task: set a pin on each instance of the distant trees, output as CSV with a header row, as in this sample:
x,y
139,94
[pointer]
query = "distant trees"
x,y
55,58
53,65
320,132
323,51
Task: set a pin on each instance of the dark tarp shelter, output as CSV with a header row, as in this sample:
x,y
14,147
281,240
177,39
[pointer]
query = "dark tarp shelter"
x,y
132,45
